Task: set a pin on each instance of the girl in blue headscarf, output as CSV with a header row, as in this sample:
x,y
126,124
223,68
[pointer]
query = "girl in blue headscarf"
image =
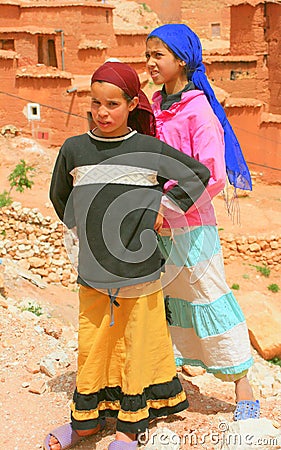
x,y
208,328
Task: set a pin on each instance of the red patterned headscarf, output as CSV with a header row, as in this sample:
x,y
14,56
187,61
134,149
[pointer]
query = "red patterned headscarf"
x,y
126,78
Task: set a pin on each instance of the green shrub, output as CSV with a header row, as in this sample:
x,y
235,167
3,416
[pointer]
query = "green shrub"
x,y
263,270
33,308
276,361
18,177
273,287
245,276
235,287
19,180
5,199
145,7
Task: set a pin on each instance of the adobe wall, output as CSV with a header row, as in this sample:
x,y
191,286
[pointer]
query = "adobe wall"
x,y
273,36
199,15
129,44
10,15
8,67
61,114
247,30
89,39
247,38
238,78
260,139
167,11
78,23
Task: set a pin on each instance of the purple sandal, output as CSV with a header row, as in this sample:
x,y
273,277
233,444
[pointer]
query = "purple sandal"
x,y
121,445
247,409
66,436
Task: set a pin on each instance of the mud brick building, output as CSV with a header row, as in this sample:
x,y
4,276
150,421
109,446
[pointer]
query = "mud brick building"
x,y
49,48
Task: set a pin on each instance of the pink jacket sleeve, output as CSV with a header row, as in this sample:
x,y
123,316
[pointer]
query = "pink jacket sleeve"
x,y
207,144
208,148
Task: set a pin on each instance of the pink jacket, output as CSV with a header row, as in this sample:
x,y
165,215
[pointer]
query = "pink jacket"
x,y
192,127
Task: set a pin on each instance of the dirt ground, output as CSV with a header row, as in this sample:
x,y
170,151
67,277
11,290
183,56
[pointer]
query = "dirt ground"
x,y
27,417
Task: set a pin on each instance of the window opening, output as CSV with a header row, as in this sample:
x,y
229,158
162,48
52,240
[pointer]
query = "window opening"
x,y
216,30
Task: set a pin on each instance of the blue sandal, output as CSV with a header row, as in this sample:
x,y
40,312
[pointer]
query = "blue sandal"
x,y
247,409
121,445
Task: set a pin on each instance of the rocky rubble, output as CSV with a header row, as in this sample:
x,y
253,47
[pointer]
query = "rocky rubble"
x,y
37,243
38,364
260,249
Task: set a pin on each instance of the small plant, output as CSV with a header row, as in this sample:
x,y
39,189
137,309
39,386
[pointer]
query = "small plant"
x,y
220,229
145,7
75,289
3,233
235,287
264,269
273,287
19,180
245,276
18,177
5,199
276,361
33,308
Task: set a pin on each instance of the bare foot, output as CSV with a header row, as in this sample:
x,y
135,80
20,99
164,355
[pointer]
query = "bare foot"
x,y
243,390
55,445
128,437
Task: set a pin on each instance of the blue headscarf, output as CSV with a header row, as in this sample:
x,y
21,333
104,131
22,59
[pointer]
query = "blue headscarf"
x,y
187,46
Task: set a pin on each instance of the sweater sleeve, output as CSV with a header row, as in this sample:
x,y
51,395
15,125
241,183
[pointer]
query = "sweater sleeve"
x,y
191,176
208,148
60,190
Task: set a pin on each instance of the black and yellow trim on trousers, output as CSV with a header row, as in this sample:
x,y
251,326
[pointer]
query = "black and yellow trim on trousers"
x,y
133,412
127,370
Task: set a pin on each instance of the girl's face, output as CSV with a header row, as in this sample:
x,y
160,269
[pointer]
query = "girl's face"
x,y
110,110
163,67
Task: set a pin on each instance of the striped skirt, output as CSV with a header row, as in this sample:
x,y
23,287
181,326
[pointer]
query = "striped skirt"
x,y
208,328
126,370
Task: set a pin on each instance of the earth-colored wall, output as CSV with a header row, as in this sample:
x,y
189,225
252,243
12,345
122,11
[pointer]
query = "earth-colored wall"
x,y
259,135
238,78
10,15
167,11
63,112
199,15
273,36
78,24
247,30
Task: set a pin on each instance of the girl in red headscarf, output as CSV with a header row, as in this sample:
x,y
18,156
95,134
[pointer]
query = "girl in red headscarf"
x,y
108,183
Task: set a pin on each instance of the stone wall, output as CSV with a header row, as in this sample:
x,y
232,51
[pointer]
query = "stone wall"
x,y
259,248
36,242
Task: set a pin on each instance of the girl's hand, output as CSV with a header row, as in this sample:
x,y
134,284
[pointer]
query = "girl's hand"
x,y
159,220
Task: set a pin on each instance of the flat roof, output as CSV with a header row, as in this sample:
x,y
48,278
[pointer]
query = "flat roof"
x,y
252,2
130,32
63,3
88,43
240,101
10,2
42,71
270,118
28,30
229,58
